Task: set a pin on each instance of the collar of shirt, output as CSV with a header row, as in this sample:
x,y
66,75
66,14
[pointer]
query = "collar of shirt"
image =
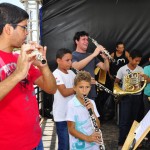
x,y
77,102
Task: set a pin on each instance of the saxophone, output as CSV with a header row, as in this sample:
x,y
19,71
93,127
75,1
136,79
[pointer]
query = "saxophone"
x,y
94,124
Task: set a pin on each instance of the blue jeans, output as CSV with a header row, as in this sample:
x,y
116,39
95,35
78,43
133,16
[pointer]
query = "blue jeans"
x,y
130,109
40,146
63,136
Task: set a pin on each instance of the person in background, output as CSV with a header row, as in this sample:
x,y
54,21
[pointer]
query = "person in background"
x,y
147,89
147,94
83,60
19,114
64,80
121,57
130,106
81,132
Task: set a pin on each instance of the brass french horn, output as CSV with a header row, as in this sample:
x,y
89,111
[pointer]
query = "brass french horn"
x,y
133,83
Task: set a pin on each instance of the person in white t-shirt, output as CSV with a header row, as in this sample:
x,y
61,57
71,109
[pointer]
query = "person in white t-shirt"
x,y
130,106
81,132
64,80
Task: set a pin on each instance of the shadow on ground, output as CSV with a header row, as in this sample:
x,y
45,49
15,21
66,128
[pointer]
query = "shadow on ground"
x,y
110,132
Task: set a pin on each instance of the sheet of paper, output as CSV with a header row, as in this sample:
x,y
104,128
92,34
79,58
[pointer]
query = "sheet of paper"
x,y
143,126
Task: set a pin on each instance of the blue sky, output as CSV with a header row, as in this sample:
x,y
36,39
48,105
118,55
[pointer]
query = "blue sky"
x,y
15,2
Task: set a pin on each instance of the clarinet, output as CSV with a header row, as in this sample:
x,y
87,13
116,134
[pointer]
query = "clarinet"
x,y
100,86
94,124
104,51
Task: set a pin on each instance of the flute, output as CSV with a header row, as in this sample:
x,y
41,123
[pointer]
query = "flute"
x,y
39,56
94,124
104,51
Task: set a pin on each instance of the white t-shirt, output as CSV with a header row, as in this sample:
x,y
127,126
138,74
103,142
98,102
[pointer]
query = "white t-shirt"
x,y
79,114
126,70
60,102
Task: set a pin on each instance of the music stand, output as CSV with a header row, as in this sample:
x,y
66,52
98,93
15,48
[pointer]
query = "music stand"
x,y
137,133
130,136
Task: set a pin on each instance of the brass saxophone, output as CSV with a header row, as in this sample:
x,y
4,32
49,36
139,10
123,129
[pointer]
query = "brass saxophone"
x,y
94,124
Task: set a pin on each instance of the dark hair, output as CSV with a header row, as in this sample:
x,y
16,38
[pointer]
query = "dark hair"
x,y
78,35
82,76
135,53
61,52
119,43
11,14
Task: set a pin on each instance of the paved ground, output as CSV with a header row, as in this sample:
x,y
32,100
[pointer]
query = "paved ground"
x,y
49,137
110,134
109,130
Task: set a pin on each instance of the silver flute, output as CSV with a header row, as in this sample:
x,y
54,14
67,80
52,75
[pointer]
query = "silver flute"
x,y
39,56
94,124
104,51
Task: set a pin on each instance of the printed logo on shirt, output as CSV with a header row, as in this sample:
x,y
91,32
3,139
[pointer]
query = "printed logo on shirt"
x,y
57,80
128,70
7,70
80,144
120,61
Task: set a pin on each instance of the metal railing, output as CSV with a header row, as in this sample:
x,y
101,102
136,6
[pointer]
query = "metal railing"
x,y
38,93
32,7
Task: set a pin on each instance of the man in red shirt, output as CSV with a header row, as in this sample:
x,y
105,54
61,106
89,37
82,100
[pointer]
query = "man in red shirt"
x,y
19,115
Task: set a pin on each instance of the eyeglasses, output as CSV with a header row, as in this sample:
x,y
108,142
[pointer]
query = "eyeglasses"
x,y
24,27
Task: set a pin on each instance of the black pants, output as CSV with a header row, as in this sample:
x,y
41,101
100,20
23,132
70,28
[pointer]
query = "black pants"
x,y
130,109
146,104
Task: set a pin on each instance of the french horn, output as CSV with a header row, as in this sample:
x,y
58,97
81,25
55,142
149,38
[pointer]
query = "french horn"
x,y
132,83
